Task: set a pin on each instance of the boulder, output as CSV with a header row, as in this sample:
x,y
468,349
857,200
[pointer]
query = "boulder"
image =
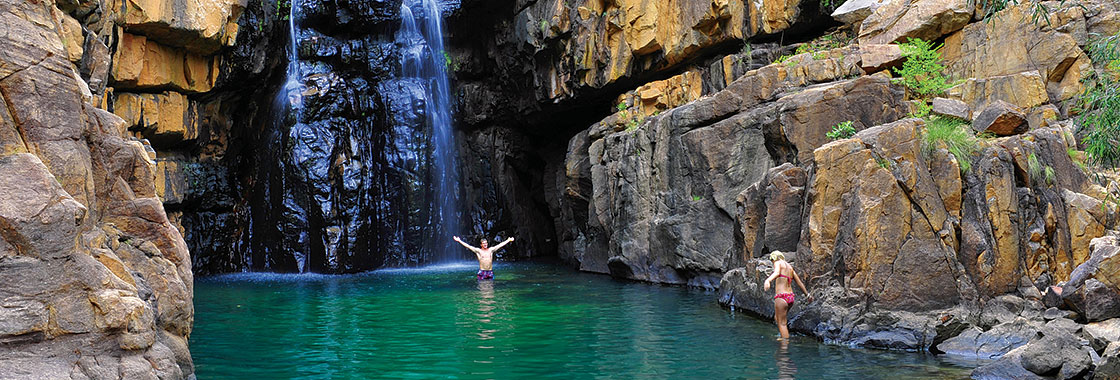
x,y
896,21
1000,118
74,302
951,108
878,57
872,203
1024,90
996,342
855,11
1109,366
1007,367
1103,333
1092,289
1056,354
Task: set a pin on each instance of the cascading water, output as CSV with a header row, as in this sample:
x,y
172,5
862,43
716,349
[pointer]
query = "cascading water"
x,y
358,171
424,58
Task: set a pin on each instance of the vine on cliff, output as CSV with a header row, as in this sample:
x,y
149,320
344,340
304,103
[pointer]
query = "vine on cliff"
x,y
1099,104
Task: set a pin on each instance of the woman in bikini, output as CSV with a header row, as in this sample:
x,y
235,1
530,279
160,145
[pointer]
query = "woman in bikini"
x,y
783,298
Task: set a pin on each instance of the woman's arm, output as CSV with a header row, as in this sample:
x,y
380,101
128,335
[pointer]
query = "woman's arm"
x,y
499,246
799,283
766,285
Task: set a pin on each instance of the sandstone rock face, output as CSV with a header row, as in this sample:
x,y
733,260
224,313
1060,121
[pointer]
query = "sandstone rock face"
x,y
573,49
95,280
769,213
199,26
1006,45
896,21
620,186
143,64
1023,90
894,224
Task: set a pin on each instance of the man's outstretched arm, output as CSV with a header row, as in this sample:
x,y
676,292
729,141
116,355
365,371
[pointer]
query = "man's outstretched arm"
x,y
473,249
503,244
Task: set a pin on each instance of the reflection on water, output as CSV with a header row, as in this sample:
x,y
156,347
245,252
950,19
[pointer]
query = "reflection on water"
x,y
532,321
485,310
786,368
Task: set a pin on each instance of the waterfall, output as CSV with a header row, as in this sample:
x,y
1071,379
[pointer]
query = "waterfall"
x,y
290,102
430,66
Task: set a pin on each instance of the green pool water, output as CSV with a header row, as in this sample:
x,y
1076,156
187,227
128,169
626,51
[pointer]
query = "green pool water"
x,y
535,320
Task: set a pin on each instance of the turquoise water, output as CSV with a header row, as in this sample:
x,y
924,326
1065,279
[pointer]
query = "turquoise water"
x,y
535,320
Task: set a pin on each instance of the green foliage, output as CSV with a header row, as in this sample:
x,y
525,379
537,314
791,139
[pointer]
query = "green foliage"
x,y
544,26
842,130
1034,167
922,72
747,54
283,9
621,106
957,136
990,7
921,109
696,198
1049,175
1039,10
1099,104
633,124
883,163
450,63
831,4
819,47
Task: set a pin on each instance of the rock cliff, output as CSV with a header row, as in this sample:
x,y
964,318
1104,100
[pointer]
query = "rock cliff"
x,y
694,178
96,279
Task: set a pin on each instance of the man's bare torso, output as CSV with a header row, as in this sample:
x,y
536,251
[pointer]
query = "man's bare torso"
x,y
485,259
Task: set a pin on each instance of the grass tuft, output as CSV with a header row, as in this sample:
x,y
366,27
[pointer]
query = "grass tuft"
x,y
957,136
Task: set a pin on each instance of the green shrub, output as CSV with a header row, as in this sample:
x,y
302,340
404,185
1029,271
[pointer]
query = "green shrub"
x,y
922,72
842,130
621,106
957,136
1099,104
921,109
633,124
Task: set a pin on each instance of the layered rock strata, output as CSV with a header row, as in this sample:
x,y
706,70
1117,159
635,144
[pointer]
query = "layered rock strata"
x,y
95,281
905,245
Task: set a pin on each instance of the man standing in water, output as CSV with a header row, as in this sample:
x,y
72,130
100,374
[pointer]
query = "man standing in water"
x,y
485,256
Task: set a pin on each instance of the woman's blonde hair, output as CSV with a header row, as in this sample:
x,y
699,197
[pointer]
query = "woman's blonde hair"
x,y
777,255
